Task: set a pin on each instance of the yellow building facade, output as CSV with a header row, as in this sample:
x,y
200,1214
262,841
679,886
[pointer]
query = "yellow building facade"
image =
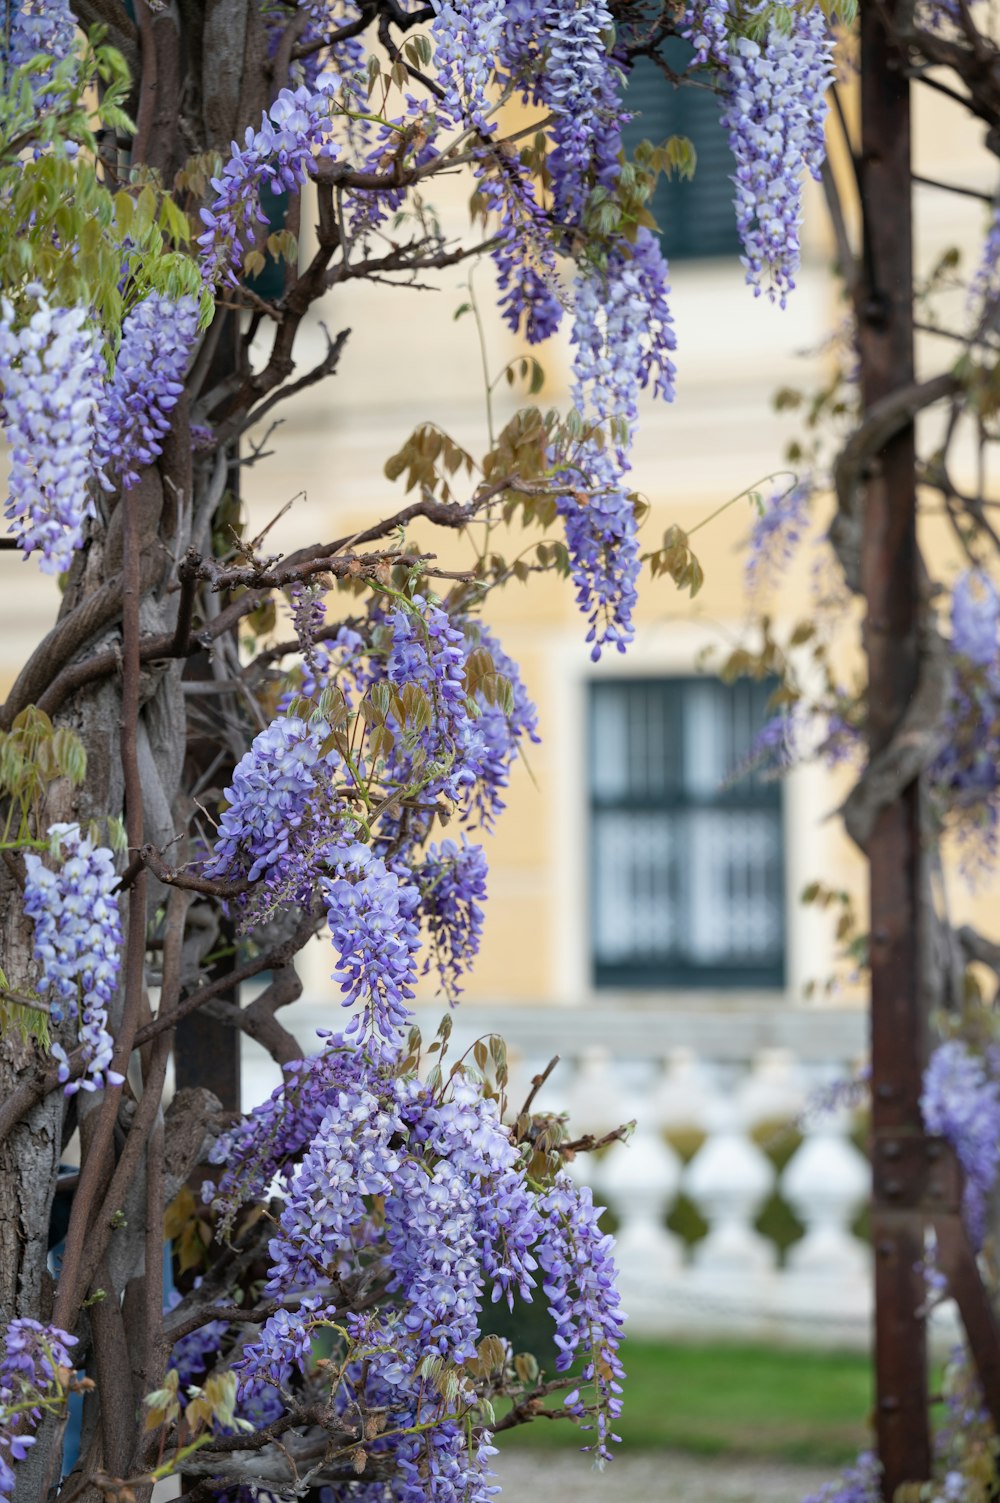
x,y
407,361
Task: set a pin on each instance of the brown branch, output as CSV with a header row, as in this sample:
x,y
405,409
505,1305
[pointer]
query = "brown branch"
x,y
149,857
185,608
275,576
165,645
72,1286
537,1081
883,421
326,367
589,1144
914,745
272,959
145,1120
530,1407
66,638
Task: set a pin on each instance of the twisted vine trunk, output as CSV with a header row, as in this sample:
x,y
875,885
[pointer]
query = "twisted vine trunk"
x,y
200,75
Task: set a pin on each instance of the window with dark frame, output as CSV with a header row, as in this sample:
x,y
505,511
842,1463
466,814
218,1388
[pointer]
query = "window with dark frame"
x,y
687,861
696,217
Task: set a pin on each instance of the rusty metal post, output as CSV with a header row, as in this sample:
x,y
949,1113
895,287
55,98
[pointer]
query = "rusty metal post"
x,y
890,580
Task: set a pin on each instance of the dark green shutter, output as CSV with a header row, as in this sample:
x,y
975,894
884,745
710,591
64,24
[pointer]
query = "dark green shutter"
x,y
687,856
696,218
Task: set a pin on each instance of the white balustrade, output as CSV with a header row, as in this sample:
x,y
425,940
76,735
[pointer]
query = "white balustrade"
x,y
729,1179
683,1094
595,1100
639,1180
826,1183
774,1090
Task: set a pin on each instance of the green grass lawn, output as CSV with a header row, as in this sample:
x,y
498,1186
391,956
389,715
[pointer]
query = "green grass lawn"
x,y
755,1401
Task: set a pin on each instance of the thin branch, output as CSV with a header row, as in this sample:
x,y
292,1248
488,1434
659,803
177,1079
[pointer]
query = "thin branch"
x,y
933,182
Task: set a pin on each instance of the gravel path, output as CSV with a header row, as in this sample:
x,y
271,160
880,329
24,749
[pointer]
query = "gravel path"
x,y
664,1478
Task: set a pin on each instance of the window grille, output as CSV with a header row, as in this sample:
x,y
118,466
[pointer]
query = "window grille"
x,y
687,885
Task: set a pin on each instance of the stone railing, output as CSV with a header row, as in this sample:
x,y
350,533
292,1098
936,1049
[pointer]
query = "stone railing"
x,y
728,1124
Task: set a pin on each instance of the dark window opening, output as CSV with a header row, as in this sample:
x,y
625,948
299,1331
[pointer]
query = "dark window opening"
x,y
687,868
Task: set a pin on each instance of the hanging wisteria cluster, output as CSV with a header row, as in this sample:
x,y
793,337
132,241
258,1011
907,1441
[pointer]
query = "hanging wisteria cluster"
x,y
40,28
775,108
50,375
71,428
961,1102
158,336
429,1185
77,944
35,1370
964,775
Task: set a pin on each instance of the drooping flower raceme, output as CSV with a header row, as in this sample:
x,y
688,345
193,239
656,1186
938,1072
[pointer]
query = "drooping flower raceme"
x,y
777,531
858,1483
501,731
51,378
624,336
961,1102
41,28
581,83
158,336
277,828
579,1282
705,26
775,109
466,36
33,1371
292,133
375,931
975,620
453,882
77,943
965,772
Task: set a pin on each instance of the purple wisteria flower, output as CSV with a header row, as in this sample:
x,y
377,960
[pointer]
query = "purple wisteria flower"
x,y
961,1103
29,1377
466,36
624,336
158,336
775,109
373,921
308,614
267,1143
858,1483
41,28
77,943
350,1157
975,620
51,382
293,132
275,828
581,84
466,1130
777,531
500,732
197,1353
579,1283
453,883
523,254
378,1169
965,772
705,25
